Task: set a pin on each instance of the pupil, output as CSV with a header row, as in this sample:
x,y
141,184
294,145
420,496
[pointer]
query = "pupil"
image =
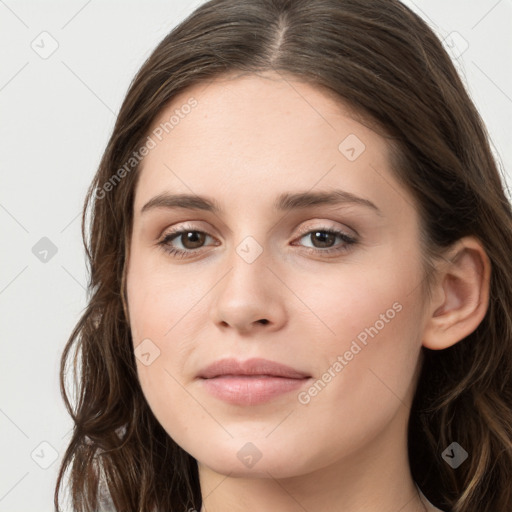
x,y
193,237
324,236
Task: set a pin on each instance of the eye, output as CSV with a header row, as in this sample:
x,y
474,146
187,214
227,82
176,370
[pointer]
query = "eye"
x,y
324,240
190,240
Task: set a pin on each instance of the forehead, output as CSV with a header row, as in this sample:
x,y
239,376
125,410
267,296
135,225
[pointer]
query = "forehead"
x,y
258,133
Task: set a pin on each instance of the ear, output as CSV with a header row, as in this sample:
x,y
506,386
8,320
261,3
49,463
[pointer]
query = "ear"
x,y
460,297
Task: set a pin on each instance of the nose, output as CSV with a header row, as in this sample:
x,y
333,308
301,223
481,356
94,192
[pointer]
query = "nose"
x,y
249,298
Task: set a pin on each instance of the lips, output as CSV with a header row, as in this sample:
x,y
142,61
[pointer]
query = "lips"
x,y
255,366
250,382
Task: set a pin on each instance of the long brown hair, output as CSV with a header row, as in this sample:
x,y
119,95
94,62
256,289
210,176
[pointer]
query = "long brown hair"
x,y
382,60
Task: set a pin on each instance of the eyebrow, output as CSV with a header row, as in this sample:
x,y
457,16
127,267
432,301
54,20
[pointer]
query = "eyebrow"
x,y
284,202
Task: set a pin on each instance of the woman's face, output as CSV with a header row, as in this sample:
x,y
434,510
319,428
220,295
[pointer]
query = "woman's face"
x,y
311,260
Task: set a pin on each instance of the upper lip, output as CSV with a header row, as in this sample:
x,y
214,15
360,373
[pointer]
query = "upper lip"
x,y
254,366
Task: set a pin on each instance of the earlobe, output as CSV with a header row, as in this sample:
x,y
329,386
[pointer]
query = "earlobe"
x,y
461,295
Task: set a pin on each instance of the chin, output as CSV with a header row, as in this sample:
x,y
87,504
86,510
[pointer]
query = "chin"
x,y
246,459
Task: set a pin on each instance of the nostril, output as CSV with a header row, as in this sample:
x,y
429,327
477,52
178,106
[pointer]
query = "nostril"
x,y
263,321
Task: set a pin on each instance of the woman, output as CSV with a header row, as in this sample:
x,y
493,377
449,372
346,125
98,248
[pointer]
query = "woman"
x,y
301,288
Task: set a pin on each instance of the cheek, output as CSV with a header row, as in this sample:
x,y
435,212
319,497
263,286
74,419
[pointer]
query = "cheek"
x,y
370,345
158,297
368,322
164,321
365,301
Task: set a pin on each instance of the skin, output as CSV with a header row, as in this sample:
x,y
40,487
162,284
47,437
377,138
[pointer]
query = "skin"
x,y
249,139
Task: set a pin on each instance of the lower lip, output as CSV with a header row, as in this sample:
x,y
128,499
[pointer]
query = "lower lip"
x,y
250,390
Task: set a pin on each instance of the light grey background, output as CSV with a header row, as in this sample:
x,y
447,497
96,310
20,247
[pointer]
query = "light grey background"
x,y
56,114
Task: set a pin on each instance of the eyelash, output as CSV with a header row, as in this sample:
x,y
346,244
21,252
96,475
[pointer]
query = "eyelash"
x,y
164,244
